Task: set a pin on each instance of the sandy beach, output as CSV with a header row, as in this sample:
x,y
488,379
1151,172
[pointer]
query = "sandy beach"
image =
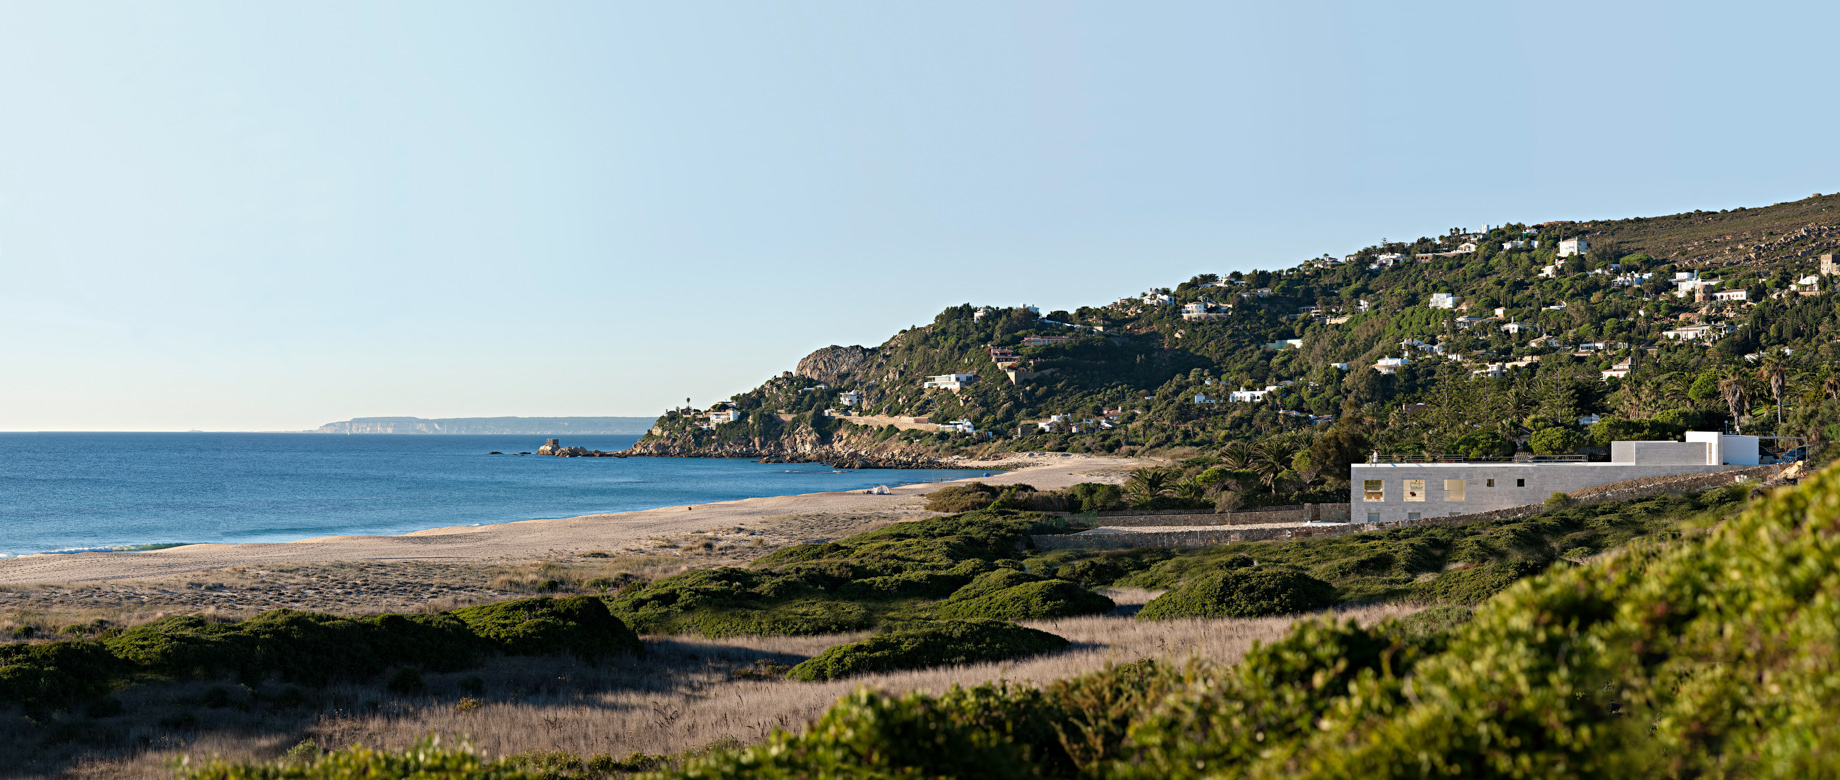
x,y
741,529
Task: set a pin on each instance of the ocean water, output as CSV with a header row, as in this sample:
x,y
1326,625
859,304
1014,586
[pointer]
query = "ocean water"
x,y
103,491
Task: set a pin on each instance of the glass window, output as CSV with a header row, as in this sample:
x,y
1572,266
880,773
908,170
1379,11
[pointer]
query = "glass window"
x,y
1453,490
1411,515
1373,490
1373,517
1415,490
1520,483
1491,483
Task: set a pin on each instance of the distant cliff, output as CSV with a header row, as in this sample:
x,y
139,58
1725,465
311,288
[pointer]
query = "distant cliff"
x,y
520,426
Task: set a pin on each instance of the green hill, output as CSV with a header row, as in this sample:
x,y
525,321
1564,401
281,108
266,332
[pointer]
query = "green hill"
x,y
1135,376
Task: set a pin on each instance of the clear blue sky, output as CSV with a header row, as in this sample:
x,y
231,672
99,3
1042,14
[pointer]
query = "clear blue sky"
x,y
266,216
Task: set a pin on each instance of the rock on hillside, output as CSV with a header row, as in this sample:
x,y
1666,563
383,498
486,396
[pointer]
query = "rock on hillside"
x,y
832,364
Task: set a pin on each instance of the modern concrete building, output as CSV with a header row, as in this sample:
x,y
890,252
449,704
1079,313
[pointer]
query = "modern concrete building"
x,y
1440,486
1573,246
952,382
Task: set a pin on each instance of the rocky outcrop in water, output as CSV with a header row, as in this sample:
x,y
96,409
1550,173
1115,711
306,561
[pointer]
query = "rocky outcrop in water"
x,y
851,448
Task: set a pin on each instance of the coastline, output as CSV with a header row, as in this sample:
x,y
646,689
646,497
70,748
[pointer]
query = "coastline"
x,y
615,534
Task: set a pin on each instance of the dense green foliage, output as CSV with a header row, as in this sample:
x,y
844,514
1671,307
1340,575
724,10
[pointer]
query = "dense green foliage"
x,y
307,647
895,573
1709,656
1242,593
941,643
1028,601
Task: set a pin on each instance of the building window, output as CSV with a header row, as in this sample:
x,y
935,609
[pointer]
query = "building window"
x,y
1373,517
1453,490
1373,490
1491,483
1520,483
1411,515
1415,490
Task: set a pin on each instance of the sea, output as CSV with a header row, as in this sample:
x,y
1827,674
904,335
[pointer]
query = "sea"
x,y
126,492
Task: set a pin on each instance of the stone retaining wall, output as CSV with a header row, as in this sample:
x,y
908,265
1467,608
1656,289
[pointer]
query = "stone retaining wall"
x,y
1304,513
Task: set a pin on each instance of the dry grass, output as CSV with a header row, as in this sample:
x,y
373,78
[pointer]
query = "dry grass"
x,y
687,694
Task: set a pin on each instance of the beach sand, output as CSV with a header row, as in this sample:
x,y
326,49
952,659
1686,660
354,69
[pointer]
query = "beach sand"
x,y
734,530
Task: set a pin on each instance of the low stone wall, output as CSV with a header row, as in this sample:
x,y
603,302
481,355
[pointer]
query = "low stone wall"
x,y
1129,541
1686,483
1303,513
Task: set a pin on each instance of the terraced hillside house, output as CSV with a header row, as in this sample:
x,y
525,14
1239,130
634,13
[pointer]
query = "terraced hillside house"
x,y
952,382
1389,488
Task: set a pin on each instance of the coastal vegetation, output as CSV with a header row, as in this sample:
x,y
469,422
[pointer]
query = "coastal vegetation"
x,y
1702,655
304,648
941,643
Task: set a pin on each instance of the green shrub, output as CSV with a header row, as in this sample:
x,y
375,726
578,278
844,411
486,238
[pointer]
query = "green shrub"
x,y
1096,497
962,498
56,673
944,643
1242,593
1475,584
993,581
428,759
306,647
1090,572
798,553
930,585
406,680
1556,441
1030,600
581,625
1433,622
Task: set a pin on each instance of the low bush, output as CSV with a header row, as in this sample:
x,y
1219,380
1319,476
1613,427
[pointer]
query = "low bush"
x,y
1242,593
307,647
928,585
944,643
1475,584
581,625
1028,601
962,498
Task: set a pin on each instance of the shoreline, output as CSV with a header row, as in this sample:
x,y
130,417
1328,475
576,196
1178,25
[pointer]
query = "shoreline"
x,y
613,534
142,547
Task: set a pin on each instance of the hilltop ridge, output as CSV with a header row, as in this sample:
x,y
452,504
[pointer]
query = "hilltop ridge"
x,y
1475,340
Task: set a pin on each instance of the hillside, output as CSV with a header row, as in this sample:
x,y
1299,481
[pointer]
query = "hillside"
x,y
1641,327
517,426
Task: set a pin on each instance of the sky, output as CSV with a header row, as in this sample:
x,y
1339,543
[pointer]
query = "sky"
x,y
270,216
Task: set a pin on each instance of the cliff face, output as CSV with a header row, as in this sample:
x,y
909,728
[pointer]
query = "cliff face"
x,y
848,447
833,364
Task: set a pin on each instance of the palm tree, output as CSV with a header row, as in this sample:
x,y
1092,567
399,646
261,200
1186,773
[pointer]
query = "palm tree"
x,y
1238,456
1776,371
1146,484
1191,488
1273,459
1733,390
